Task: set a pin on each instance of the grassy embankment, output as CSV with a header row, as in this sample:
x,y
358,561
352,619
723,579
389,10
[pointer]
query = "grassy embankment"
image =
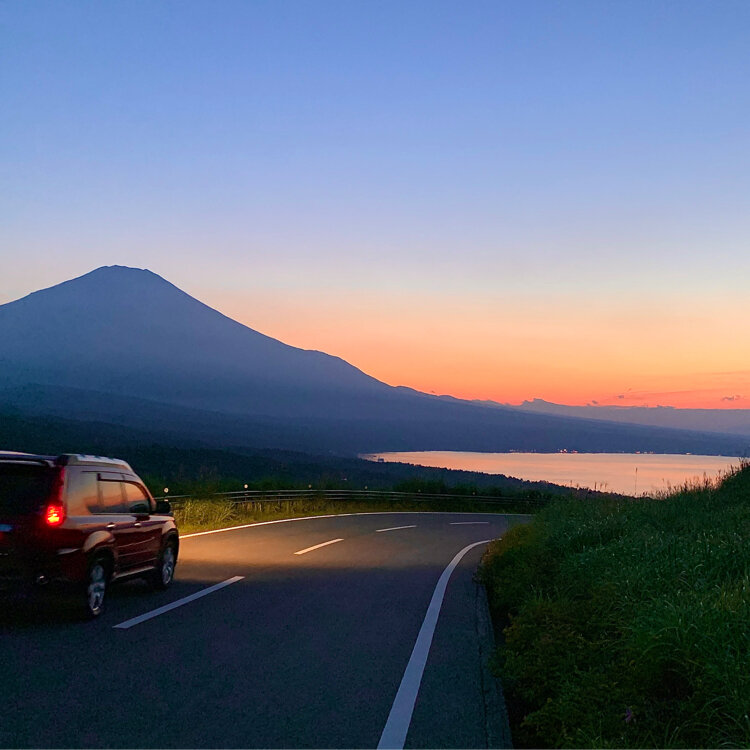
x,y
627,623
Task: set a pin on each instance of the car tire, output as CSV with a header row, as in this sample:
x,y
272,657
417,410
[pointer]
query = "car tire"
x,y
95,589
163,574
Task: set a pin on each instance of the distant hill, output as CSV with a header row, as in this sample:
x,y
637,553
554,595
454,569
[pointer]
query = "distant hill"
x,y
125,346
728,421
181,462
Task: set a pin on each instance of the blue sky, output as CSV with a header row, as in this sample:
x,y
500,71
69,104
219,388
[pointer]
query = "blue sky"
x,y
365,162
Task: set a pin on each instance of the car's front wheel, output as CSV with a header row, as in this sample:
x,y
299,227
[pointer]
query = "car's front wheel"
x,y
163,575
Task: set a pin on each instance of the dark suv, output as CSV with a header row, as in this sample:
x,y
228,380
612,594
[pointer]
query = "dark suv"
x,y
80,522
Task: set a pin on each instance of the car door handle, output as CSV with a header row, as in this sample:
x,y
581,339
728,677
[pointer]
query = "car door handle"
x,y
137,524
111,525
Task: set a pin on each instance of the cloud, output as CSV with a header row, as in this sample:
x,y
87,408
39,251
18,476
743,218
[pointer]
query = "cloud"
x,y
732,398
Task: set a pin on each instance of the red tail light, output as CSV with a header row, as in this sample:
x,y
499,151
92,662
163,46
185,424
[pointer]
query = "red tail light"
x,y
54,515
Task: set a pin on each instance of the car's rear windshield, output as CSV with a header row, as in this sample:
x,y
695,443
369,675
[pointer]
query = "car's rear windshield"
x,y
24,487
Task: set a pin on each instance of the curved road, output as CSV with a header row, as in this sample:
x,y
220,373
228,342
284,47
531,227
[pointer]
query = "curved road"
x,y
284,634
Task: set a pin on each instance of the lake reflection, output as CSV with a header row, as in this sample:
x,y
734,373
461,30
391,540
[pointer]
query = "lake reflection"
x,y
627,473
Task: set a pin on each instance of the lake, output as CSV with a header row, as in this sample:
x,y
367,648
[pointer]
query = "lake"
x,y
627,473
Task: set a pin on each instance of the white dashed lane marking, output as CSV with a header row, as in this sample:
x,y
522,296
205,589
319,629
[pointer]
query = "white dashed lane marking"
x,y
396,528
173,605
317,546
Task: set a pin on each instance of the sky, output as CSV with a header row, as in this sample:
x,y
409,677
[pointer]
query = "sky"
x,y
494,200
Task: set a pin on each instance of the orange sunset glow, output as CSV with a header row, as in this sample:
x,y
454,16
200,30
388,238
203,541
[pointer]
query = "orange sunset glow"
x,y
509,351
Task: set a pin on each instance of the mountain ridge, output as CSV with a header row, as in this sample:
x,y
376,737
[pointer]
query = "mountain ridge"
x,y
127,344
725,421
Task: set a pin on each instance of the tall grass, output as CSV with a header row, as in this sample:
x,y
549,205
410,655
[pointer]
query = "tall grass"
x,y
627,623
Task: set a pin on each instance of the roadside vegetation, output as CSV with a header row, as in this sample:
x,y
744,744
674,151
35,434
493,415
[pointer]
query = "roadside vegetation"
x,y
203,514
626,623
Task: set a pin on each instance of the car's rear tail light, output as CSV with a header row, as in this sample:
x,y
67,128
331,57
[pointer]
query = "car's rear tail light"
x,y
54,514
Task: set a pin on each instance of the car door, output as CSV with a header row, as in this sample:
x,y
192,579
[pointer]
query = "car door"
x,y
146,534
117,519
82,510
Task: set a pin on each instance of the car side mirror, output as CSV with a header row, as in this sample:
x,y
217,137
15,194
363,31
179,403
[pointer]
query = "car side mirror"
x,y
163,507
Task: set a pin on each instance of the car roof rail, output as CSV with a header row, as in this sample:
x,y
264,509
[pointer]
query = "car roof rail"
x,y
65,459
19,457
74,459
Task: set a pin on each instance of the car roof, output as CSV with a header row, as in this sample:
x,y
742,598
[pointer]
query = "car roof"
x,y
65,459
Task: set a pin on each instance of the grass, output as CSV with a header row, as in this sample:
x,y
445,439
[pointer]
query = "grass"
x,y
627,623
197,514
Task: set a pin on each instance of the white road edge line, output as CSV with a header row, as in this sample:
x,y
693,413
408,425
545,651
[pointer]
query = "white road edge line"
x,y
337,515
173,605
467,523
317,546
396,528
399,719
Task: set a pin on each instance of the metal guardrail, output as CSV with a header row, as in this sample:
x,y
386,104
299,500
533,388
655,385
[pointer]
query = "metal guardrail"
x,y
265,496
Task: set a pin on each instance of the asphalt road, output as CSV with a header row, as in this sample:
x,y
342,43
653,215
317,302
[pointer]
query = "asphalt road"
x,y
295,650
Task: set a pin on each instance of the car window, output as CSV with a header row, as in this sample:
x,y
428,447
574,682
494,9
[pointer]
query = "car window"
x,y
24,488
136,499
110,496
82,493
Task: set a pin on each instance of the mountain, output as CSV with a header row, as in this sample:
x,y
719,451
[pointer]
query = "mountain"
x,y
125,346
729,421
128,331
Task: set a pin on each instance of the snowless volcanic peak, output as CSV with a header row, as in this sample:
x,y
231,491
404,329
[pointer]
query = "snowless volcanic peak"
x,y
130,331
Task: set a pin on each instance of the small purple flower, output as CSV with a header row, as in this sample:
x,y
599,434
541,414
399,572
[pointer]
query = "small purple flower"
x,y
629,715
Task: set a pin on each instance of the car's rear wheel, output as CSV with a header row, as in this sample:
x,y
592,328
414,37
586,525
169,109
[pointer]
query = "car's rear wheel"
x,y
95,589
163,575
